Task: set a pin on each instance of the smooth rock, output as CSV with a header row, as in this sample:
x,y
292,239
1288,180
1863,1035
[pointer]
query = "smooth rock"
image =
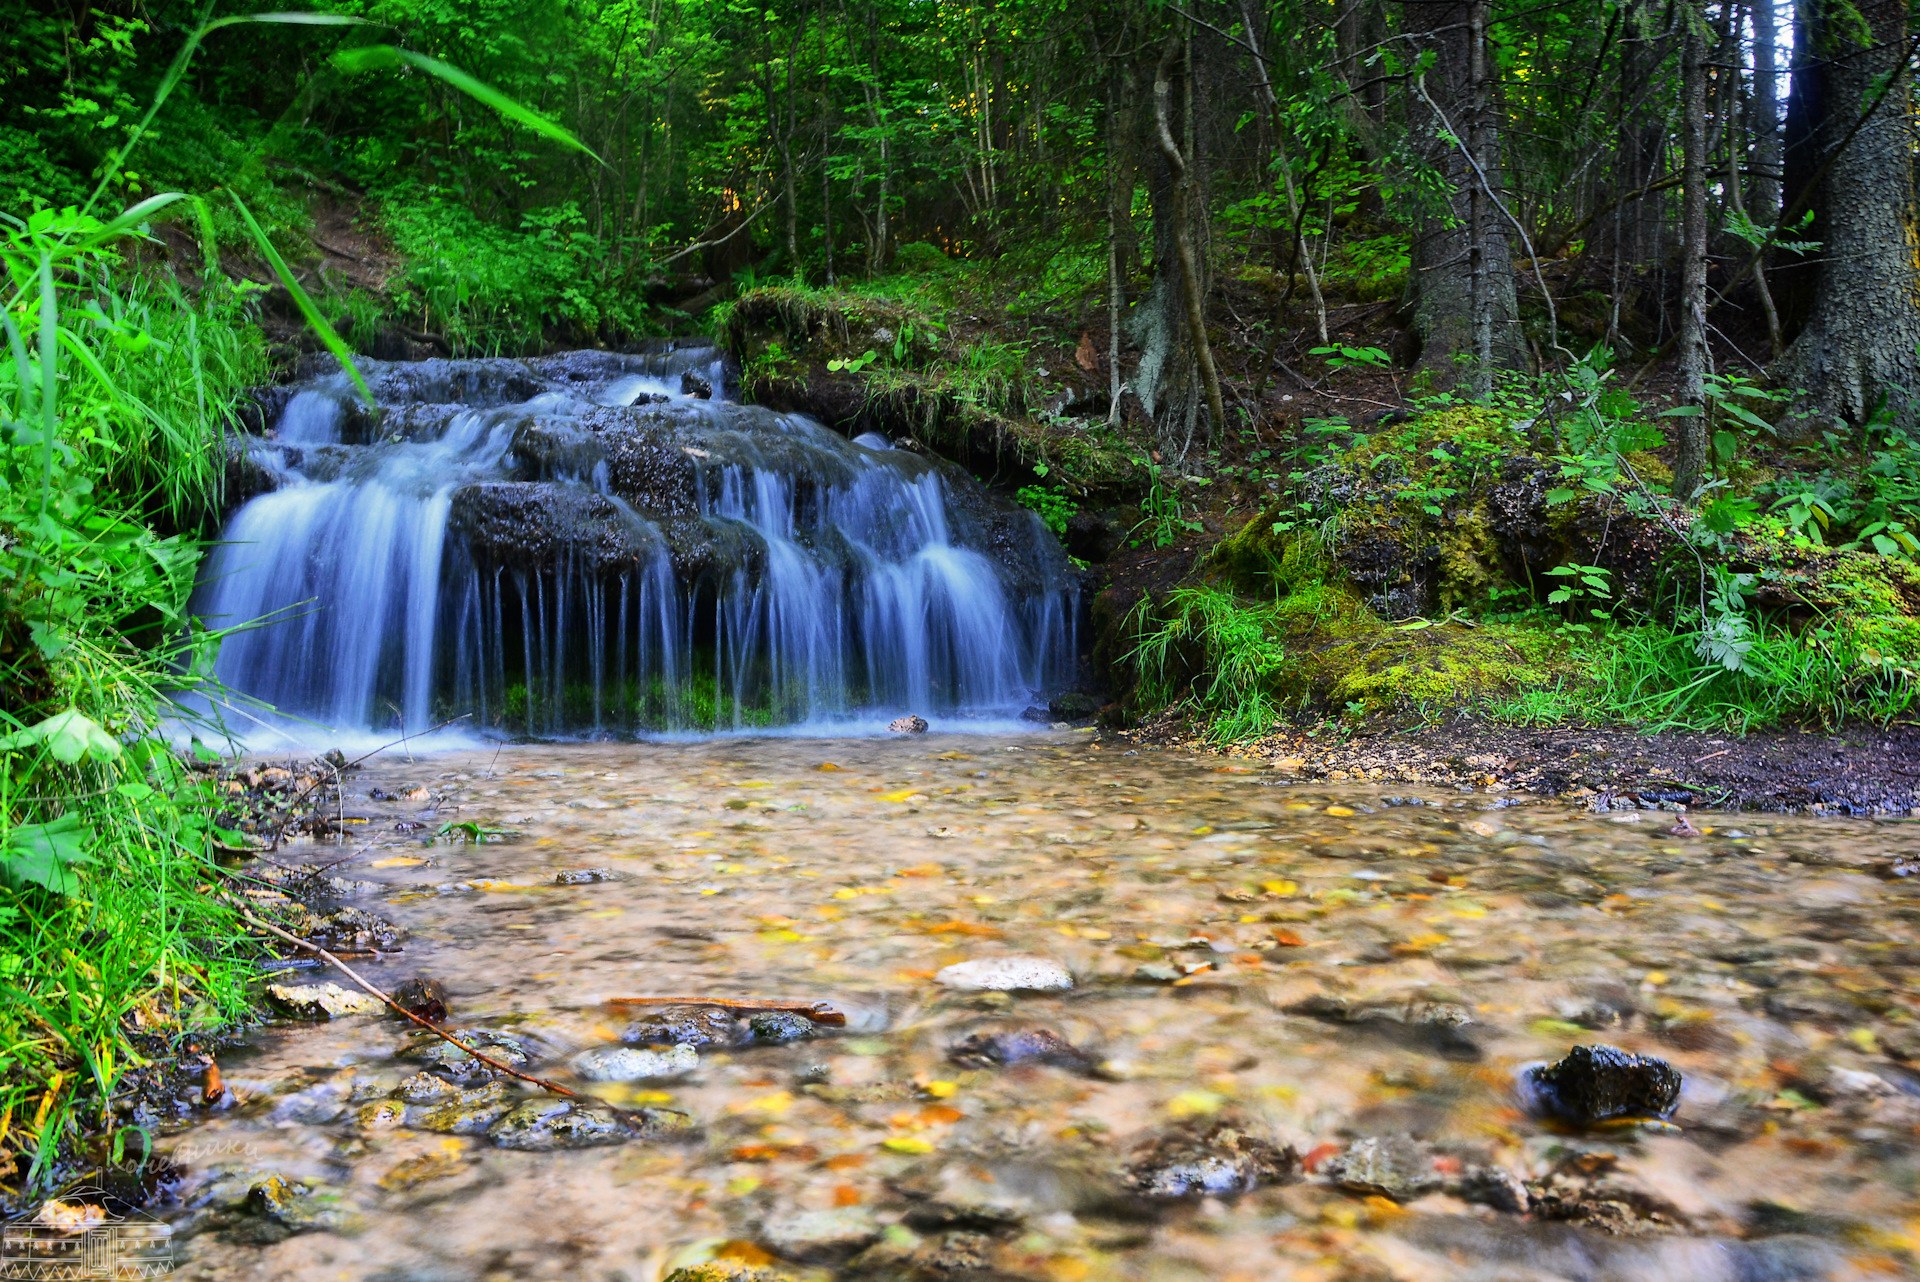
x,y
908,725
632,1064
1019,1046
820,1236
1005,974
1393,1166
1595,1083
320,1001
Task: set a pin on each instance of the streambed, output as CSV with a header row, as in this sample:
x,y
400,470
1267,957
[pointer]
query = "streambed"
x,y
1304,965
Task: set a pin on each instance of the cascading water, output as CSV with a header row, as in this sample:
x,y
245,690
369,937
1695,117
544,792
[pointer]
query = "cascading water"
x,y
574,544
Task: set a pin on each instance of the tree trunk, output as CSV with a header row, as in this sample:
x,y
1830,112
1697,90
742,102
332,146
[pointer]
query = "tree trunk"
x,y
1176,376
1440,113
1763,199
1859,341
1119,226
1690,443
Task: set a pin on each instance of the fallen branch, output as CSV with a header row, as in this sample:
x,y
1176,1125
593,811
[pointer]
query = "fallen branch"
x,y
551,1087
818,1012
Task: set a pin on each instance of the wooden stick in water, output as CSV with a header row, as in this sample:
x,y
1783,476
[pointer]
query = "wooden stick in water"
x,y
818,1012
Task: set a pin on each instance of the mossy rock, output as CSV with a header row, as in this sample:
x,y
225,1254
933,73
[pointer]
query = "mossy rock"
x,y
1446,665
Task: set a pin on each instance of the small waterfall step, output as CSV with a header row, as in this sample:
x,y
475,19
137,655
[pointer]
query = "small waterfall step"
x,y
602,543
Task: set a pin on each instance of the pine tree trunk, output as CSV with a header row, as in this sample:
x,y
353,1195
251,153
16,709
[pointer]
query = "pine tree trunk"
x,y
1763,198
1859,341
1690,440
1439,113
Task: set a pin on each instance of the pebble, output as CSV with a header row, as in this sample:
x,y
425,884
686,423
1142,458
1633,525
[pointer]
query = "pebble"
x,y
423,996
584,876
1393,1166
1005,974
778,1027
908,725
684,1026
632,1064
1019,1046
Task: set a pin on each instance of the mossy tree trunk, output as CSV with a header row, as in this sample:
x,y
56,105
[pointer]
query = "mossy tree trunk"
x,y
1856,105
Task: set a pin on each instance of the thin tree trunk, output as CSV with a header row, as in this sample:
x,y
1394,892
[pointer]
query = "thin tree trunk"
x,y
1477,228
1119,215
1270,107
1690,455
1764,203
1192,286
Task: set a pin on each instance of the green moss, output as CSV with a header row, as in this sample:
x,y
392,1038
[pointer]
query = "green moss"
x,y
1469,560
1442,666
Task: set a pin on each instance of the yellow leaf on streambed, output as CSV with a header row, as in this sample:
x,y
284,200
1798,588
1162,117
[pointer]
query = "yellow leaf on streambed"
x,y
1343,812
773,1105
1282,887
906,1144
901,795
828,765
608,912
1195,1104
1420,943
941,1090
403,861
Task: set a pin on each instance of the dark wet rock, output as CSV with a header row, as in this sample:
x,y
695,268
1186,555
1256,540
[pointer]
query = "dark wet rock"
x,y
1019,1046
1597,1083
634,1064
820,1237
455,1064
470,1112
683,1026
320,1001
281,1208
1392,1166
542,1125
424,997
1220,1160
1092,537
908,725
1607,1204
1073,705
585,876
778,1027
354,930
1038,715
1493,1186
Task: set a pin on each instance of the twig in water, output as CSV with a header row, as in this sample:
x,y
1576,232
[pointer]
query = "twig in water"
x,y
551,1087
818,1012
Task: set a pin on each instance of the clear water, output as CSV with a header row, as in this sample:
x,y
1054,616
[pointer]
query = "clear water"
x,y
1765,960
572,545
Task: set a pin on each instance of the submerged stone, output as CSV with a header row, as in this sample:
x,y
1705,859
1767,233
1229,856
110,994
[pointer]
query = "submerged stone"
x,y
1221,1160
778,1027
423,996
820,1236
1019,1046
632,1064
354,930
1005,974
542,1125
684,1026
1392,1166
1599,1083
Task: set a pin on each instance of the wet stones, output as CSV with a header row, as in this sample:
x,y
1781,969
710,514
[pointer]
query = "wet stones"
x,y
584,876
633,1064
1220,1160
1019,1046
908,725
1392,1166
424,997
320,1001
1005,974
543,1125
354,930
683,1026
1439,1027
1600,1083
820,1237
455,1064
470,1112
778,1027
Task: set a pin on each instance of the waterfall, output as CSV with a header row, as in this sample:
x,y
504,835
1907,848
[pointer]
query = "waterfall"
x,y
575,545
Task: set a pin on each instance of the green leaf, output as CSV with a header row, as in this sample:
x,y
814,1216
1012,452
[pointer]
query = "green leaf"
x,y
382,57
1681,411
315,321
44,854
68,736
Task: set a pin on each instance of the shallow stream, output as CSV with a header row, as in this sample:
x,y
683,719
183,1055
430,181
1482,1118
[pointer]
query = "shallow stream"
x,y
1314,966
